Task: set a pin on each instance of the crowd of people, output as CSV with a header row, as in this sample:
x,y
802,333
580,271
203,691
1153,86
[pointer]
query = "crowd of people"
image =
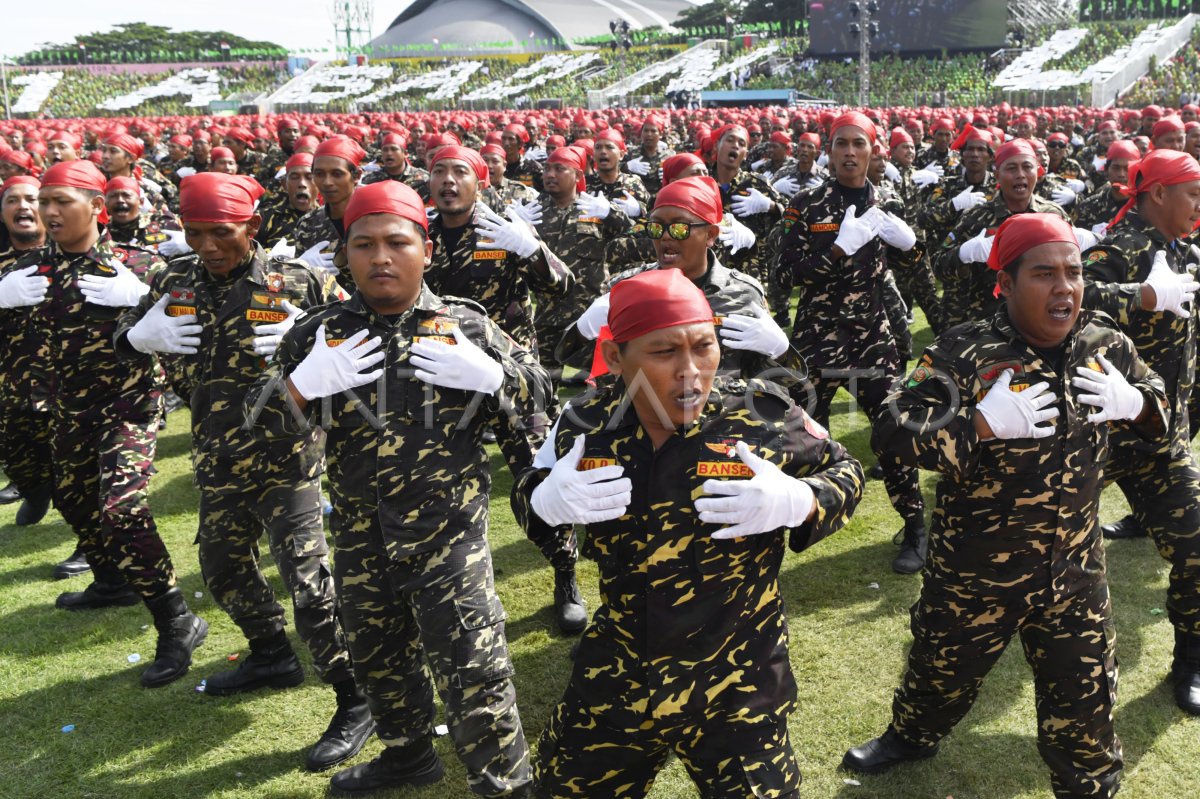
x,y
650,314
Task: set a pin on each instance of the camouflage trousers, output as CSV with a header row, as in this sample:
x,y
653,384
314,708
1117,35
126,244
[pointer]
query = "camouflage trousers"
x,y
103,459
896,309
917,287
958,636
579,757
871,393
434,612
25,445
1164,493
290,514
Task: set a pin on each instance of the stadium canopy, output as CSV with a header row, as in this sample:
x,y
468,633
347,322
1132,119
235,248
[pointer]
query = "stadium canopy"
x,y
482,27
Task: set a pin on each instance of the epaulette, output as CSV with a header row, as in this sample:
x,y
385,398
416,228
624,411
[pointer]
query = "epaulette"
x,y
468,303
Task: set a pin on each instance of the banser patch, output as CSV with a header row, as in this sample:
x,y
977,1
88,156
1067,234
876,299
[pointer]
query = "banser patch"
x,y
489,255
436,328
726,463
825,227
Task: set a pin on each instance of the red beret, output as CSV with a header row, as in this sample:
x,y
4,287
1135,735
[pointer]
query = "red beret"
x,y
1013,148
574,157
899,136
240,134
66,136
181,140
780,137
460,153
386,197
698,195
653,300
299,160
1158,168
1123,150
76,175
123,184
18,158
20,180
855,119
343,147
129,144
217,197
1171,124
1023,232
222,152
612,135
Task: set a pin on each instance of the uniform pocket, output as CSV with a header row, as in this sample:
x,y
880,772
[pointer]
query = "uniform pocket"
x,y
480,650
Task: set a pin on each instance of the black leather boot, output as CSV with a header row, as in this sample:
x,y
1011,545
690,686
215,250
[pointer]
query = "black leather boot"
x,y
9,494
1185,669
880,754
271,663
179,633
914,543
396,767
569,609
1127,527
350,728
34,506
99,595
75,564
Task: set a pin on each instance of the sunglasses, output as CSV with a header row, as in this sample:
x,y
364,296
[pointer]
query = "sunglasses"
x,y
1057,146
676,230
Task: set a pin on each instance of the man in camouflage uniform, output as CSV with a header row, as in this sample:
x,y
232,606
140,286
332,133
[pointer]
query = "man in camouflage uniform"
x,y
1013,412
1051,186
24,423
241,142
501,272
833,240
394,165
687,654
104,411
913,274
1140,276
1098,209
500,192
123,159
128,223
299,196
646,161
218,313
1092,156
319,233
409,480
969,286
1058,146
287,130
943,202
179,147
200,159
608,181
517,167
939,156
804,170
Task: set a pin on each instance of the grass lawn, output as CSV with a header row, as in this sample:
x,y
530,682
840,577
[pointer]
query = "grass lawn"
x,y
849,633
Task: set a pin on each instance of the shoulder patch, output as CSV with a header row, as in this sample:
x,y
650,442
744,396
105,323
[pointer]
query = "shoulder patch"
x,y
1096,255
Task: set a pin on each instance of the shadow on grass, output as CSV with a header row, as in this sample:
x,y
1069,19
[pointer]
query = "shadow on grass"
x,y
17,542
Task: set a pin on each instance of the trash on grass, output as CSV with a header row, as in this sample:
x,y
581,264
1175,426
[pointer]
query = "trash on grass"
x,y
441,729
134,658
68,728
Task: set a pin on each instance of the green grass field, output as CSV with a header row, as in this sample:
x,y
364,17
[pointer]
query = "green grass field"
x,y
848,643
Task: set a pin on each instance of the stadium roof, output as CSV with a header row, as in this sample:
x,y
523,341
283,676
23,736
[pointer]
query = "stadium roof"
x,y
461,27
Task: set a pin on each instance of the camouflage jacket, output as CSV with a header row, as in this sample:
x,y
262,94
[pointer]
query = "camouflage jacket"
x,y
937,215
1097,207
279,221
502,282
167,194
509,191
525,171
1070,169
145,232
68,356
754,261
225,454
402,451
617,189
652,180
315,227
927,156
15,347
817,174
1014,515
969,289
840,322
728,292
273,161
691,627
412,176
1114,271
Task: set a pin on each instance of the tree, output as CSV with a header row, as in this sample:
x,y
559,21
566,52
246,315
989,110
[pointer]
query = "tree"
x,y
711,14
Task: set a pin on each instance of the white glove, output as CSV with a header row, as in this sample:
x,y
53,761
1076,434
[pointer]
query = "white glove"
x,y
146,206
317,259
735,235
759,164
937,169
923,178
1063,196
968,198
629,204
157,332
890,172
122,290
893,230
570,496
755,202
1171,291
150,187
594,318
330,370
1085,239
1099,163
638,166
514,235
529,210
593,205
461,365
812,182
537,153
175,244
281,173
267,337
768,501
371,167
823,159
757,333
1076,185
787,186
853,233
976,250
22,287
1110,392
185,172
282,250
1100,230
1016,414
1076,140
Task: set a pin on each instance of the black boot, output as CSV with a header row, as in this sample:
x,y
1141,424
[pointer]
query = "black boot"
x,y
350,728
568,602
75,564
880,754
99,595
179,633
914,542
34,506
875,472
272,662
1127,527
9,494
396,767
1185,669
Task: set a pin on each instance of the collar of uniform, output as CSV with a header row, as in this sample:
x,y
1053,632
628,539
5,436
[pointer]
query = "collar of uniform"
x,y
838,190
102,252
619,413
259,265
1004,326
715,277
1135,221
427,304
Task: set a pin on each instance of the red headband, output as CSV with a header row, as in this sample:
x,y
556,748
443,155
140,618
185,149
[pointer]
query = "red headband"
x,y
971,133
699,195
76,175
673,166
613,135
217,197
492,149
343,147
899,136
242,135
135,147
221,152
1158,168
123,184
1171,124
653,300
1014,148
460,153
574,157
299,160
1123,149
20,180
68,137
18,158
1023,232
386,197
855,119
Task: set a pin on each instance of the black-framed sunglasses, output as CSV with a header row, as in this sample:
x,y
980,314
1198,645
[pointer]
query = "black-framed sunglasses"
x,y
1057,145
676,230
